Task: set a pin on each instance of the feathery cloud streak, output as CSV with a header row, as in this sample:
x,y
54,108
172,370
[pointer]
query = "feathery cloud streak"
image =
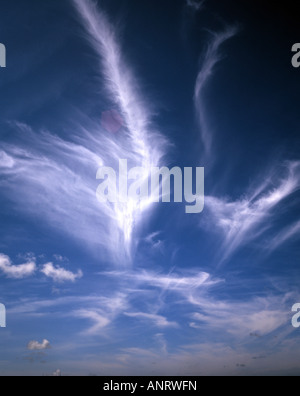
x,y
56,177
284,236
211,59
260,316
171,282
144,146
196,5
243,221
158,320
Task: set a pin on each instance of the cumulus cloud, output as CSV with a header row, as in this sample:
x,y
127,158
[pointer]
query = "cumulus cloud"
x,y
36,346
56,373
59,274
16,271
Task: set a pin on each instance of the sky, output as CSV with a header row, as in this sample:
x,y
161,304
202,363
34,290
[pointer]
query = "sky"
x,y
105,289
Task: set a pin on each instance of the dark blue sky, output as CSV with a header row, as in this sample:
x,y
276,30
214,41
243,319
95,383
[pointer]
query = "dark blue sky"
x,y
101,289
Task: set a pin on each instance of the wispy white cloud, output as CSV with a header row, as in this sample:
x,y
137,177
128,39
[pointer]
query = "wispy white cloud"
x,y
200,358
290,232
16,271
102,313
99,321
243,221
97,310
59,274
37,346
171,282
260,316
196,5
158,320
211,58
143,145
155,242
162,343
55,179
31,306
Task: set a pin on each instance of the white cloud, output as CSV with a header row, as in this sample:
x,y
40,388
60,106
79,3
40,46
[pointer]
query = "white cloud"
x,y
158,320
284,236
36,346
211,59
144,146
58,177
196,5
172,282
243,221
59,274
155,242
32,307
100,321
239,319
57,373
16,271
103,312
260,316
6,161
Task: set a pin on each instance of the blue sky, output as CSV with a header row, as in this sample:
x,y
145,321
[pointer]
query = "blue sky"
x,y
103,289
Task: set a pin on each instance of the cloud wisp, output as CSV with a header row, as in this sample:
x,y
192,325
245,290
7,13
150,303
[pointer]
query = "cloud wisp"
x,y
211,58
287,234
243,221
195,5
102,313
261,316
158,320
171,282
